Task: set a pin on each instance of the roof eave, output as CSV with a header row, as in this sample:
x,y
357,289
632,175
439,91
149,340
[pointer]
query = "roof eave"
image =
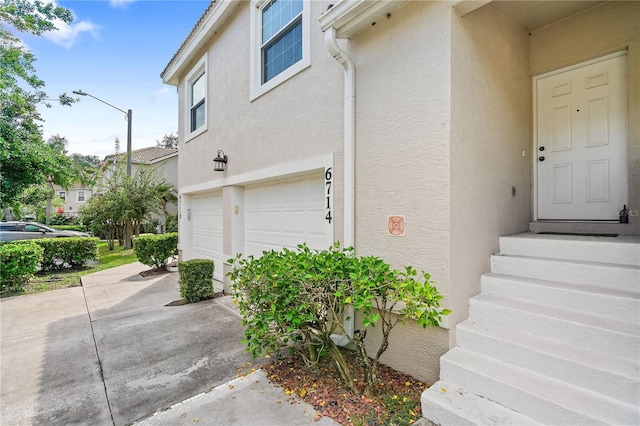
x,y
210,25
349,17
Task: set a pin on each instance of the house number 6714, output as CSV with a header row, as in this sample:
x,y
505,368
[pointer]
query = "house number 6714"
x,y
327,181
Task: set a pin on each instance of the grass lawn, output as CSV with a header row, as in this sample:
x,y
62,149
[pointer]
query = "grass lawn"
x,y
71,278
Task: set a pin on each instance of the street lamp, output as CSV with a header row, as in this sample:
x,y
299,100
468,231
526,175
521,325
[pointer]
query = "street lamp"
x,y
128,117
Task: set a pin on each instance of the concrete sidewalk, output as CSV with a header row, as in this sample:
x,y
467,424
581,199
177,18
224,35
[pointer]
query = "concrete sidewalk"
x,y
112,352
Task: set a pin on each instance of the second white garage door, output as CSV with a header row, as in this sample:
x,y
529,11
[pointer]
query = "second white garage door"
x,y
285,214
206,230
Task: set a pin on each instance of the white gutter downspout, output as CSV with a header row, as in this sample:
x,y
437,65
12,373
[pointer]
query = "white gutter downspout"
x,y
349,161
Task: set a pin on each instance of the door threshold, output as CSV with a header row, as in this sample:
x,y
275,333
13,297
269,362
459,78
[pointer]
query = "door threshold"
x,y
596,229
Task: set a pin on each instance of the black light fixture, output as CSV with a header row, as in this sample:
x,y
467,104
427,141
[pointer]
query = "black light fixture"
x,y
220,162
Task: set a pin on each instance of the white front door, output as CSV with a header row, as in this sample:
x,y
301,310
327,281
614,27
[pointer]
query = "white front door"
x,y
581,147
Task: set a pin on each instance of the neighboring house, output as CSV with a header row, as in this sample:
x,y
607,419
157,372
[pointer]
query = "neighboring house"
x,y
165,159
73,197
424,133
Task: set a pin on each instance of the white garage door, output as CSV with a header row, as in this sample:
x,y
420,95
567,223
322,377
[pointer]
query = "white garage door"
x,y
286,214
206,230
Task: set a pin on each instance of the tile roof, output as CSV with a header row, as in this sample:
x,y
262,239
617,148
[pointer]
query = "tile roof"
x,y
144,155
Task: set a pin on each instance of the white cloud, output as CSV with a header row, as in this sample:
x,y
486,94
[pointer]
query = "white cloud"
x,y
66,35
122,4
162,94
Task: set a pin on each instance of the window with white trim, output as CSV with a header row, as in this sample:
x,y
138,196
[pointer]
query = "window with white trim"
x,y
196,99
62,195
197,109
280,45
81,196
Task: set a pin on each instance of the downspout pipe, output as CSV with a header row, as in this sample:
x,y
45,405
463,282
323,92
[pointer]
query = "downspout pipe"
x,y
340,55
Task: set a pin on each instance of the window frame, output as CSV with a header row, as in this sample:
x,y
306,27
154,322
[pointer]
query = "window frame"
x,y
84,196
256,87
62,195
198,71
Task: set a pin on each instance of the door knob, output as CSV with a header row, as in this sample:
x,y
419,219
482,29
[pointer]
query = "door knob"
x,y
541,158
541,148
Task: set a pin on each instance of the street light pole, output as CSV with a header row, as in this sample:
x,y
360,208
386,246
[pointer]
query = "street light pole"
x,y
128,117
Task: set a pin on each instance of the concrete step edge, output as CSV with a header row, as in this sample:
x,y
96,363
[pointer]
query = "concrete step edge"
x,y
539,397
444,403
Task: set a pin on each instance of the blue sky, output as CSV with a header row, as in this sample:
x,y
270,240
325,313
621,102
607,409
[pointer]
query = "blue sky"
x,y
114,50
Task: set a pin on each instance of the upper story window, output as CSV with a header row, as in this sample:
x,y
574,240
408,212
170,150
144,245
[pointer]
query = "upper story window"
x,y
281,36
280,42
196,99
62,195
197,103
81,195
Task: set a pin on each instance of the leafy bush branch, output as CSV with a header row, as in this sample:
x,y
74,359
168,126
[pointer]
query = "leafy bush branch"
x,y
297,299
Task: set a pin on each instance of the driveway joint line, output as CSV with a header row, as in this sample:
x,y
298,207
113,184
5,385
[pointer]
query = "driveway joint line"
x,y
95,344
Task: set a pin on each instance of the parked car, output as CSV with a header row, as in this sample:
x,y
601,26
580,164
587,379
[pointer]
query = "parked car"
x,y
15,230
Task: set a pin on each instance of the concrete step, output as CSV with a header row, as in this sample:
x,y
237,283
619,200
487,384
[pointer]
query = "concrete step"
x,y
446,404
592,300
619,277
606,335
613,377
619,251
539,397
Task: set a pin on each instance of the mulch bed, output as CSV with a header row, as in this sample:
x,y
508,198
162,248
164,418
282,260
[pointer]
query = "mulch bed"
x,y
396,400
153,272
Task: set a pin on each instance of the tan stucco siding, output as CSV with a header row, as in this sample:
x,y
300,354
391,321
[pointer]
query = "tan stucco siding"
x,y
402,156
299,119
611,27
490,132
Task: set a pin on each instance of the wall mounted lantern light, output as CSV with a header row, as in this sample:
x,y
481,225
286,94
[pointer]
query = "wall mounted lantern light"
x,y
220,162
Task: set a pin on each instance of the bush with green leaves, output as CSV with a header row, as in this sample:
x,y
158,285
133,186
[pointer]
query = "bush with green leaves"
x,y
154,250
19,264
79,228
62,253
298,299
196,279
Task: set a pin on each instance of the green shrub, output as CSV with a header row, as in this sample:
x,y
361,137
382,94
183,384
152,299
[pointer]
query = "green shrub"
x,y
196,279
19,263
299,299
61,253
154,250
79,228
171,225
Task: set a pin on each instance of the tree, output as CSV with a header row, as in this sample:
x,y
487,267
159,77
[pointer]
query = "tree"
x,y
127,201
168,141
86,169
25,158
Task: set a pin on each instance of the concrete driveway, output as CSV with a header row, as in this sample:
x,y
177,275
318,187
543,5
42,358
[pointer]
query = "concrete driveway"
x,y
112,352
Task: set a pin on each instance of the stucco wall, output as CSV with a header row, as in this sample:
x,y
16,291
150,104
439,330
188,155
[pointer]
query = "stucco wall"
x,y
611,27
299,119
490,132
402,155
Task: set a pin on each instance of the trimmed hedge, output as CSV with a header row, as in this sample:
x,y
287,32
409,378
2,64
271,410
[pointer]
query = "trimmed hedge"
x,y
61,253
19,264
154,250
196,279
79,228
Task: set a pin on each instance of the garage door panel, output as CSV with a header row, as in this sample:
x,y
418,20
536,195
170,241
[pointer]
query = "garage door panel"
x,y
206,230
285,214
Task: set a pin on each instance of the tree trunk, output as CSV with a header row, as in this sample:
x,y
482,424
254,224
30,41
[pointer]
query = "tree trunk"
x,y
7,213
343,368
